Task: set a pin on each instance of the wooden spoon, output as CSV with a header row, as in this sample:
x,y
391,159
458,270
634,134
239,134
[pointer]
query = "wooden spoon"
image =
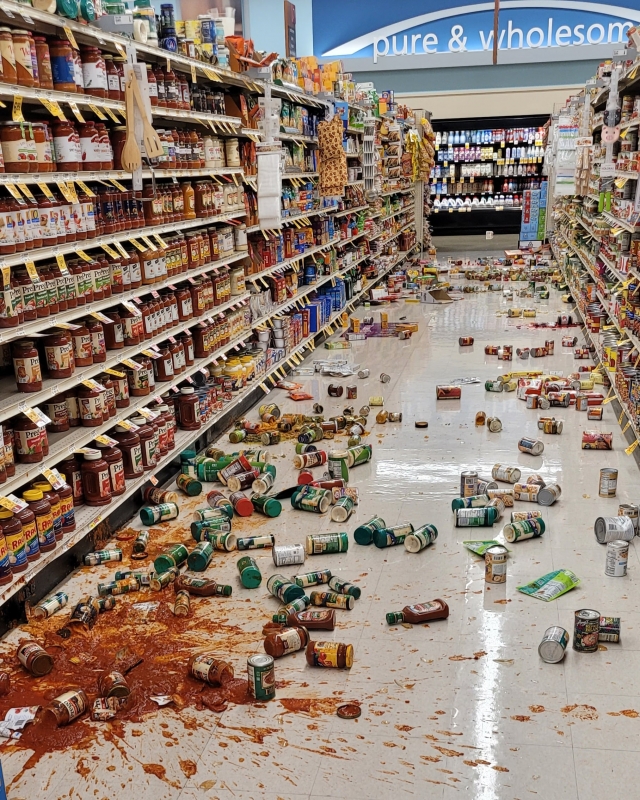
x,y
151,140
130,157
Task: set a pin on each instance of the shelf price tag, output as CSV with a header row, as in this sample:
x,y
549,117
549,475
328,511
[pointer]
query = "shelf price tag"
x,y
137,245
46,191
83,186
132,307
10,505
90,383
128,425
115,373
53,107
25,191
70,37
160,240
102,317
193,73
67,326
32,271
83,255
104,439
16,113
149,243
129,363
62,264
121,250
35,415
97,111
113,115
13,191
109,250
147,414
150,353
76,111
53,477
118,186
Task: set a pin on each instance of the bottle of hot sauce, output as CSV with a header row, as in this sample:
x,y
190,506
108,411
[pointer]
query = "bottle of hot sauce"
x,y
419,613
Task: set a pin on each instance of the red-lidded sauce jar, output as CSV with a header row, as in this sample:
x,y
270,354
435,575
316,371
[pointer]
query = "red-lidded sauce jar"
x,y
96,481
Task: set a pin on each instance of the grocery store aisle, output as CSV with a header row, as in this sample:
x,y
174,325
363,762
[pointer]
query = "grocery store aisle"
x,y
458,706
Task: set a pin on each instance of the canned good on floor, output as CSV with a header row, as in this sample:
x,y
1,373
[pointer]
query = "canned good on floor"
x,y
586,630
610,529
608,482
631,511
553,645
617,559
495,564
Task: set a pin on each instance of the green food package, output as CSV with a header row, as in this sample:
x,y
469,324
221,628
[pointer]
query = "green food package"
x,y
551,585
480,546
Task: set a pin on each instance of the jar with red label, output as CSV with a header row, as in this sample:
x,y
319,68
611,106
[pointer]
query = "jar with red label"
x,y
90,406
121,391
90,146
177,354
26,365
152,86
187,345
31,443
138,380
58,351
106,149
27,295
147,442
82,352
96,482
109,395
113,457
185,304
188,409
131,448
94,72
53,497
66,506
56,410
8,55
113,78
131,327
118,138
70,469
98,345
114,331
24,63
44,151
163,366
18,147
28,521
67,146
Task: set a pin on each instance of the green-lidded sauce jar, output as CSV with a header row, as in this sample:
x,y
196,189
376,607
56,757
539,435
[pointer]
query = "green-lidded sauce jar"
x,y
421,538
342,509
103,557
283,588
188,485
220,525
173,556
394,617
255,542
299,604
344,587
311,498
327,543
359,454
163,579
220,540
125,586
250,575
313,578
161,513
141,542
301,448
332,600
338,464
200,557
389,537
364,533
267,506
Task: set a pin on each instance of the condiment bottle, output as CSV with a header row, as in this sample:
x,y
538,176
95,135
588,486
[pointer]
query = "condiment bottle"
x,y
31,441
52,496
113,457
70,468
419,613
26,365
147,442
286,640
30,530
11,529
41,508
96,483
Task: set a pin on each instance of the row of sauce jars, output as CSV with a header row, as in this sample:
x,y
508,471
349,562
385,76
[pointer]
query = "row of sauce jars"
x,y
174,202
83,283
41,221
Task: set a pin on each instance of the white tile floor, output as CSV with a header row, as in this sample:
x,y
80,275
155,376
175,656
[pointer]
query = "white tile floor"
x,y
436,722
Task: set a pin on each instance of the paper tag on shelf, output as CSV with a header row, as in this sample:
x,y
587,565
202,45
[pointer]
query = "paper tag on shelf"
x,y
104,439
150,353
35,415
149,243
109,250
193,73
113,115
62,264
90,383
54,479
97,111
147,413
85,189
67,326
115,372
16,113
32,271
83,255
129,363
46,191
10,505
13,191
22,504
76,111
70,37
153,480
160,240
137,245
86,450
168,68
102,317
128,425
66,192
132,307
118,185
53,107
123,252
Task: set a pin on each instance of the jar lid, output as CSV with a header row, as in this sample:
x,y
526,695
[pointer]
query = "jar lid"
x,y
187,390
93,456
43,486
6,514
31,495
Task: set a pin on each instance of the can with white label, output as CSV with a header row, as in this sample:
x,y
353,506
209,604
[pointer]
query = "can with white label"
x,y
617,559
608,482
495,564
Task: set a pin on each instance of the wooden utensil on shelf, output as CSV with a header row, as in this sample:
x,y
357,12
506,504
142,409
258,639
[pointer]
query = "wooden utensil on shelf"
x,y
130,157
150,139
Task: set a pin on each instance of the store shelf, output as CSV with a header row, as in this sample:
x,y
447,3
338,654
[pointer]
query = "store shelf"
x,y
290,262
388,192
397,213
351,211
110,238
287,176
298,138
43,323
113,174
355,183
620,223
87,518
359,235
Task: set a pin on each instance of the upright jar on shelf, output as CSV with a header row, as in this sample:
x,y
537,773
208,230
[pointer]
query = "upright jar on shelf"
x,y
70,468
26,364
43,58
53,497
131,448
62,66
41,509
96,482
114,458
24,63
58,351
94,72
147,442
7,53
189,409
31,443
90,406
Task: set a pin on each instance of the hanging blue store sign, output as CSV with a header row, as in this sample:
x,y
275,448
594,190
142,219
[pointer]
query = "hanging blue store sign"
x,y
414,33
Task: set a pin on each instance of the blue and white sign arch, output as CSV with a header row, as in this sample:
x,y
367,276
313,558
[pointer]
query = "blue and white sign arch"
x,y
413,33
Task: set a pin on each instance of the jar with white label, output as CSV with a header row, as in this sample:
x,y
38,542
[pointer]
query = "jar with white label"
x,y
66,143
237,281
26,366
240,237
90,405
232,152
94,72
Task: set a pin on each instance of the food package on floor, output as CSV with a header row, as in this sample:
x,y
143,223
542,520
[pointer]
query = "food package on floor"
x,y
448,392
595,440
